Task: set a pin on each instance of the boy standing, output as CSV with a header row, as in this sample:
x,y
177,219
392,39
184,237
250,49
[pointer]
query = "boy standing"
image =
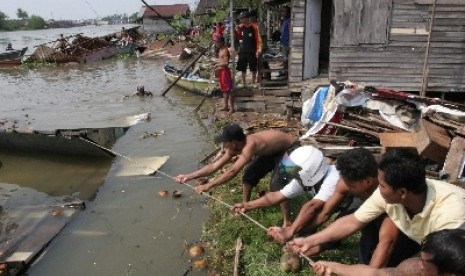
x,y
225,75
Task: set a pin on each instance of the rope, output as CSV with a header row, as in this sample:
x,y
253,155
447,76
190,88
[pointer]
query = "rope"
x,y
310,261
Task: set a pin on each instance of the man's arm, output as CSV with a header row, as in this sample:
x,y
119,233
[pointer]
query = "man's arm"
x,y
333,202
307,214
268,200
206,170
337,230
231,172
407,267
388,234
258,40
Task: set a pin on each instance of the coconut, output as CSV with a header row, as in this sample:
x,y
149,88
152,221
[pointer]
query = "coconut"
x,y
290,262
200,264
196,251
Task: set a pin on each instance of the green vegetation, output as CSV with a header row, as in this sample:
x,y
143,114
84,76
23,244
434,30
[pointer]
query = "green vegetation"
x,y
36,22
260,254
24,22
179,23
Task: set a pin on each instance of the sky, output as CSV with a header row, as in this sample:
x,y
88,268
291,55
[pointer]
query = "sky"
x,y
80,9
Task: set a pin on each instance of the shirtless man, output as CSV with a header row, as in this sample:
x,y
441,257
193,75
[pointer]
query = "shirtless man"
x,y
262,151
225,75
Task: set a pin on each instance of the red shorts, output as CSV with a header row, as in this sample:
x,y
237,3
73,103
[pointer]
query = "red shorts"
x,y
225,80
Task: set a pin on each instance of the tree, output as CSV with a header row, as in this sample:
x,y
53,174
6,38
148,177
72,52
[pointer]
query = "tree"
x,y
36,22
22,14
3,17
179,23
133,17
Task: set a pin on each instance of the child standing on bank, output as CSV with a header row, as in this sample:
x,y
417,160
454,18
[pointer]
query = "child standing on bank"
x,y
224,74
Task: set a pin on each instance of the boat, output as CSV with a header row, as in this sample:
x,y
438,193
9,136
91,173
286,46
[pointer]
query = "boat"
x,y
12,57
47,54
194,83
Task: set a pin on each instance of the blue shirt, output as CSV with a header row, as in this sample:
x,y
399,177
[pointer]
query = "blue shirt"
x,y
285,32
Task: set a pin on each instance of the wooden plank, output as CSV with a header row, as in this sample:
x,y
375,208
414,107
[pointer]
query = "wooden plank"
x,y
396,140
453,166
432,141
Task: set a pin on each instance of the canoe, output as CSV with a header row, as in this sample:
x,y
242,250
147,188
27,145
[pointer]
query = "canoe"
x,y
12,57
196,85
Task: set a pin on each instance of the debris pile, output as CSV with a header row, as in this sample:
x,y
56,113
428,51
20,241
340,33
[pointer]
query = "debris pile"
x,y
343,115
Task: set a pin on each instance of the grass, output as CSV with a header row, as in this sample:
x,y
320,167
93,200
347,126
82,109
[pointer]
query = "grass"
x,y
260,255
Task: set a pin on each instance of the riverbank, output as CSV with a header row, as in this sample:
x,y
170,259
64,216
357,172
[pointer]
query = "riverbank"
x,y
259,255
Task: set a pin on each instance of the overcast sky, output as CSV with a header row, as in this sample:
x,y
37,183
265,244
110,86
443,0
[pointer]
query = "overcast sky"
x,y
80,9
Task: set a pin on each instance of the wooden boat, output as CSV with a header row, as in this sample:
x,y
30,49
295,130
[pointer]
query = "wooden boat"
x,y
196,85
12,57
47,54
96,55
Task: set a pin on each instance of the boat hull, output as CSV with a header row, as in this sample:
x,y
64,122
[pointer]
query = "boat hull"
x,y
199,86
47,54
12,57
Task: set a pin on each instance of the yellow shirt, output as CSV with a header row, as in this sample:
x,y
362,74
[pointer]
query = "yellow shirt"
x,y
444,209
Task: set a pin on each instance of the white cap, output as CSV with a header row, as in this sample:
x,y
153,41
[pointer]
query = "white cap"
x,y
313,164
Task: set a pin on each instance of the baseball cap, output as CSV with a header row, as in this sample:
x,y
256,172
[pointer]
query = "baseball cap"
x,y
232,132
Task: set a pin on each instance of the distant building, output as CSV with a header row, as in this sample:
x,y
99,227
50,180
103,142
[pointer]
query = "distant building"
x,y
155,22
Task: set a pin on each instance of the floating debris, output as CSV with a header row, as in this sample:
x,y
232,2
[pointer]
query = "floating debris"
x,y
57,213
176,194
153,134
163,193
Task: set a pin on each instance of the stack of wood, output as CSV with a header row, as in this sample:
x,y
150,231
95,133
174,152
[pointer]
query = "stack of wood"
x,y
438,138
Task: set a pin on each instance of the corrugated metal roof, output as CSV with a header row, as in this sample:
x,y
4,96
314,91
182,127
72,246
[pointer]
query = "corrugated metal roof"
x,y
166,11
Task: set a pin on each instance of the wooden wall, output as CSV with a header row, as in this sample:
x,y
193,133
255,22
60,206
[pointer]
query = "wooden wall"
x,y
383,43
296,44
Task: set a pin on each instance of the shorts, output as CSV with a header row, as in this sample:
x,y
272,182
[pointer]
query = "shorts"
x,y
225,79
247,58
261,165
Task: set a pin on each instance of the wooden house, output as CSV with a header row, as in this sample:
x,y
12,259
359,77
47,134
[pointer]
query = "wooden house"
x,y
155,21
410,45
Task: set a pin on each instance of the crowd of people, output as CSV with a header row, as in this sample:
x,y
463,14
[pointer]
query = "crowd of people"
x,y
399,211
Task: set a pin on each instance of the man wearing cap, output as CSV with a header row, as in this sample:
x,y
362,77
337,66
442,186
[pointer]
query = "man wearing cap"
x,y
305,169
250,49
261,152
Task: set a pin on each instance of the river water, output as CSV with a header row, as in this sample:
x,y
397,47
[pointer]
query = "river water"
x,y
126,229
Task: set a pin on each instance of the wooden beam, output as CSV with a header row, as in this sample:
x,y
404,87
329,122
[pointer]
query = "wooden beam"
x,y
424,82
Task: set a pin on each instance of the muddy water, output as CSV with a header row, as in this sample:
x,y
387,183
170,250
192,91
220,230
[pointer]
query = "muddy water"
x,y
126,229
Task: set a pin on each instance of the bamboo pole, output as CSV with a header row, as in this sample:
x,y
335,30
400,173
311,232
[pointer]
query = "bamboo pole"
x,y
237,256
424,81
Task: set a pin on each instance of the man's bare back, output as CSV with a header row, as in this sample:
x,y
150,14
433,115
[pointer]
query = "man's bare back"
x,y
268,142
